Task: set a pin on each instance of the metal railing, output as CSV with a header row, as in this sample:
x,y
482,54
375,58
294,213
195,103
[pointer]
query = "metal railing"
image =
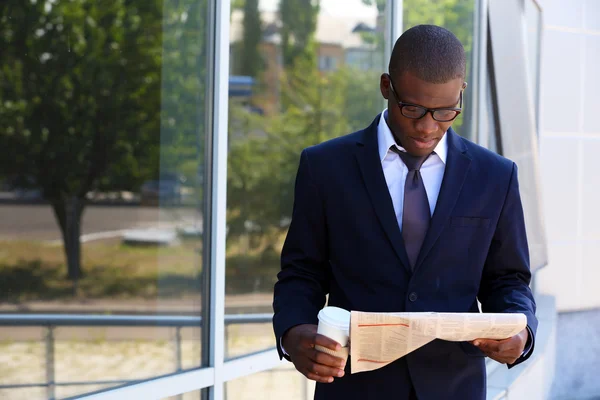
x,y
52,321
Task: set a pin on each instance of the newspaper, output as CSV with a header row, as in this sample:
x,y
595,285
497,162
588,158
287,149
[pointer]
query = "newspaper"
x,y
377,339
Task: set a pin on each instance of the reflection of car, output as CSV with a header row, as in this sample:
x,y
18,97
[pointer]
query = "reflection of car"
x,y
29,194
23,187
166,190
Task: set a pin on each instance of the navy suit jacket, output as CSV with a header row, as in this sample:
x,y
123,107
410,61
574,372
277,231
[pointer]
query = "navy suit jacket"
x,y
344,240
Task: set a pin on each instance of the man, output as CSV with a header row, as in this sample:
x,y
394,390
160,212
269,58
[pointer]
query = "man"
x,y
406,216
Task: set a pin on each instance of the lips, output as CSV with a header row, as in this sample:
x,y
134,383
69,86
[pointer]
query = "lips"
x,y
423,143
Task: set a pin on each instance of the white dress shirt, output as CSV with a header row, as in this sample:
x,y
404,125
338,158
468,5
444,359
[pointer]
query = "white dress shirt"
x,y
395,171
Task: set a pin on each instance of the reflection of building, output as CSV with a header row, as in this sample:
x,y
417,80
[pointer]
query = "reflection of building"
x,y
348,42
341,42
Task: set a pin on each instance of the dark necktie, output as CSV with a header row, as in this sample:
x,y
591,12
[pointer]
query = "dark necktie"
x,y
416,214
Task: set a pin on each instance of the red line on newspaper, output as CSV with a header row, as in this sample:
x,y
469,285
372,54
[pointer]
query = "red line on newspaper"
x,y
373,361
365,325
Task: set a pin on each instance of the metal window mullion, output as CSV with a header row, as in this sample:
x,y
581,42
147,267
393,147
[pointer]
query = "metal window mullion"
x,y
207,182
220,73
538,80
393,26
158,388
481,134
398,26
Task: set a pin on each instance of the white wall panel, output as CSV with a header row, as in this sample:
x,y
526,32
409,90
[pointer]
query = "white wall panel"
x,y
561,81
567,13
591,15
591,78
569,146
558,186
562,276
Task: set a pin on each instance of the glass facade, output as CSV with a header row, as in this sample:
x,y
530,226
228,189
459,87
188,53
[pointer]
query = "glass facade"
x,y
126,267
102,109
193,395
279,383
296,82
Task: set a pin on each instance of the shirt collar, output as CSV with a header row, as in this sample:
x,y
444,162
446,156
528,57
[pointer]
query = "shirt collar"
x,y
385,140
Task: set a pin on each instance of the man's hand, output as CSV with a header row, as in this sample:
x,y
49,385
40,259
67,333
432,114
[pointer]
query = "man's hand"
x,y
505,351
299,342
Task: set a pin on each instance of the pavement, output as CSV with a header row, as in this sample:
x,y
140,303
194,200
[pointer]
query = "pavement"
x,y
577,373
37,221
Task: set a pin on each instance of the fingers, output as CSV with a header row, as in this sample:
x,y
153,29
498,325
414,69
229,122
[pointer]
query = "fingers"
x,y
319,372
505,351
300,343
495,346
504,358
326,342
319,378
324,370
322,367
326,359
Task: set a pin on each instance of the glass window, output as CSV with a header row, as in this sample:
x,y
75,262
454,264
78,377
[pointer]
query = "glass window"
x,y
102,110
296,99
195,395
327,62
458,17
490,113
280,383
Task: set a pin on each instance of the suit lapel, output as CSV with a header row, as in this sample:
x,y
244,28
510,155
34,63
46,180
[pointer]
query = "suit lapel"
x,y
367,156
457,166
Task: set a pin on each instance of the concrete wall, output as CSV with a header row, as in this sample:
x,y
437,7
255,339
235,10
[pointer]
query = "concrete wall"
x,y
570,151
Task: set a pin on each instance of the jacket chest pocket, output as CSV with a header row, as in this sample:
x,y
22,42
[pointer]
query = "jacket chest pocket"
x,y
469,222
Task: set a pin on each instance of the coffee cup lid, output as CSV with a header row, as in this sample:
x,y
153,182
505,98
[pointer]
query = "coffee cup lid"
x,y
335,316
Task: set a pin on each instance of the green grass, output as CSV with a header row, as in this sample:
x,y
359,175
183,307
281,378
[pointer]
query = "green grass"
x,y
34,271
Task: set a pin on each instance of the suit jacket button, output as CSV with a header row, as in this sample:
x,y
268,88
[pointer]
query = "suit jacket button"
x,y
413,296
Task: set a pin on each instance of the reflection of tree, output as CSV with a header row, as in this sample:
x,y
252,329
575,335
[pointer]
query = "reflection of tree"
x,y
263,160
248,60
80,98
381,4
183,74
262,166
79,102
264,150
454,15
298,25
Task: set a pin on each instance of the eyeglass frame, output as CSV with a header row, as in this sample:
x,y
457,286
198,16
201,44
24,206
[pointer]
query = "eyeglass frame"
x,y
401,105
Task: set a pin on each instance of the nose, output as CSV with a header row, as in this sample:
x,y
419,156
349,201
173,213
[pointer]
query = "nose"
x,y
426,125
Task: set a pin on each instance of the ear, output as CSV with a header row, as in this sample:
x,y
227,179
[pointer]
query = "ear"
x,y
384,85
464,85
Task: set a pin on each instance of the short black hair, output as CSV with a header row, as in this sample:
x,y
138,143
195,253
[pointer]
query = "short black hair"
x,y
430,52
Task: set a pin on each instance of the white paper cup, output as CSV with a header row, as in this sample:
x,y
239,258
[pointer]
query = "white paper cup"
x,y
334,323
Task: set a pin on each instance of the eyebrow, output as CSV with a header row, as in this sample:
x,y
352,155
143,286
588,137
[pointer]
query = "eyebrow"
x,y
432,108
420,105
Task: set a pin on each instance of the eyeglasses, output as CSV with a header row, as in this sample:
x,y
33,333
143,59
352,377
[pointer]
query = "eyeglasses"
x,y
415,111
